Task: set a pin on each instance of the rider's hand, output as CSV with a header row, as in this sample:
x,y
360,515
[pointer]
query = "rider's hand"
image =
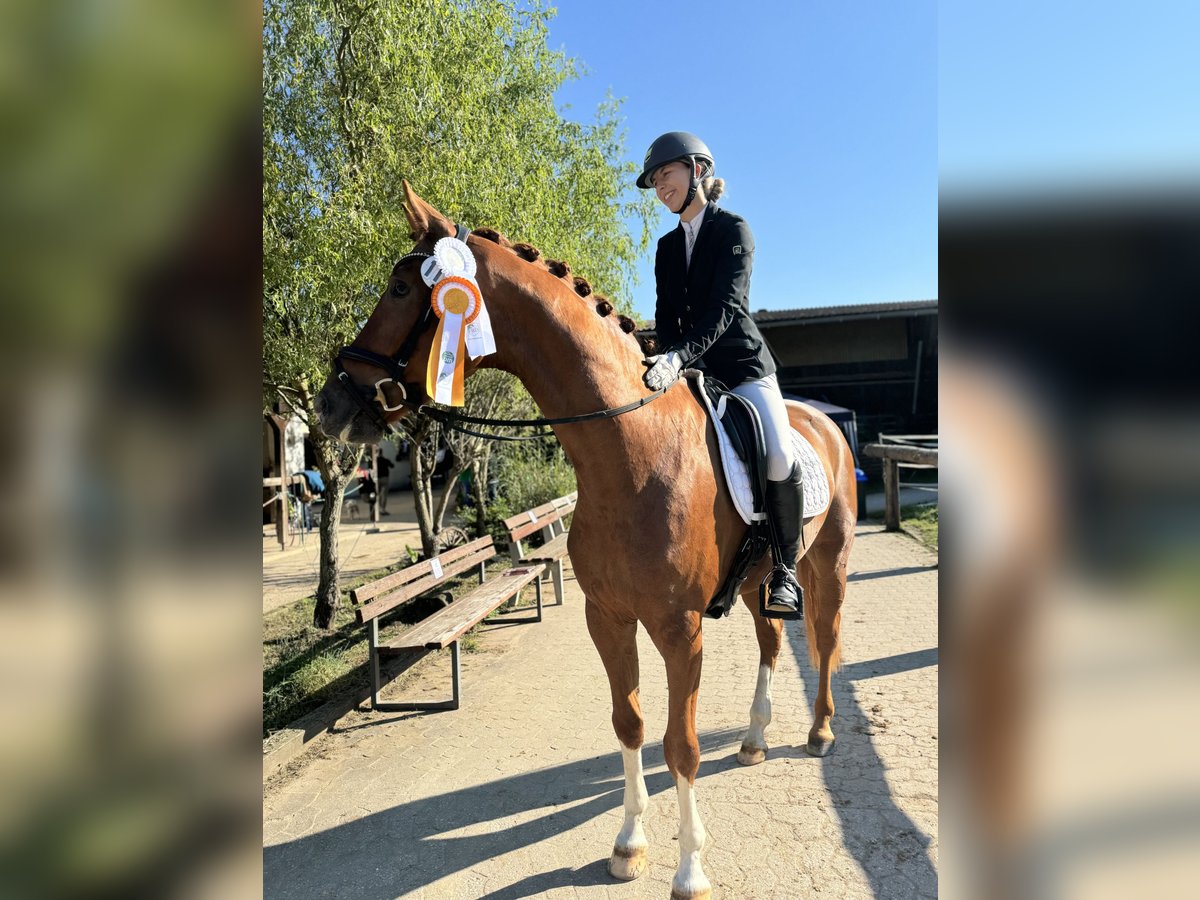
x,y
664,369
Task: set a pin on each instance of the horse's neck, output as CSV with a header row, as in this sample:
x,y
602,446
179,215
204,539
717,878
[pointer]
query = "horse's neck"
x,y
573,361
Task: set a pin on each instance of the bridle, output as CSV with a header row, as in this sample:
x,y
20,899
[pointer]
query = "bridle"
x,y
377,405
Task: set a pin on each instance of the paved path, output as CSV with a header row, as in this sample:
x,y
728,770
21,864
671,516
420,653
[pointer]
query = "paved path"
x,y
363,546
518,794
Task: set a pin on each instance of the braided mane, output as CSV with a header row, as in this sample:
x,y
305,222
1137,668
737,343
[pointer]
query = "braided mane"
x,y
561,270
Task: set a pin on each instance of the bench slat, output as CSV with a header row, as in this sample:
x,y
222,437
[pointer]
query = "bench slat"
x,y
450,623
380,605
411,573
523,518
560,505
523,531
548,552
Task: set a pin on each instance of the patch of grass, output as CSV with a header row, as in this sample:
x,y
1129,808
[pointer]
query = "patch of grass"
x,y
469,642
315,676
922,523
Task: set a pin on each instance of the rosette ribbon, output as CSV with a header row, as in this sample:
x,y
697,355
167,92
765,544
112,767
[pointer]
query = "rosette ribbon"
x,y
457,302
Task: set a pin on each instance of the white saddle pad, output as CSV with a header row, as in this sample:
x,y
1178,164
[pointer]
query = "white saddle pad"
x,y
737,475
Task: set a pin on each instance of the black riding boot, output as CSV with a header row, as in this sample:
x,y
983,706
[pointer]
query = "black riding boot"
x,y
785,505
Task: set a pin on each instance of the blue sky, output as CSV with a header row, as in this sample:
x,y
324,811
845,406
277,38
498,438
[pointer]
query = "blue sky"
x,y
1069,96
822,118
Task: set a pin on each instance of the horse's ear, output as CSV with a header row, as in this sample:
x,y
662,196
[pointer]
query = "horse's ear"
x,y
423,220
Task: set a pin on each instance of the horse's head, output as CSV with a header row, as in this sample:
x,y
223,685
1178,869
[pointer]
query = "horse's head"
x,y
380,377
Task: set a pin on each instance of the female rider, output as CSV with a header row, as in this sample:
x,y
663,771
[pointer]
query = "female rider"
x,y
702,317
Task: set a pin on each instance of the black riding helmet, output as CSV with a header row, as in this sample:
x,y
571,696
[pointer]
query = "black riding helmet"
x,y
672,146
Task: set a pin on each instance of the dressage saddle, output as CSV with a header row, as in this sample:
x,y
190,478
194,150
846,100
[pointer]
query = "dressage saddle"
x,y
738,417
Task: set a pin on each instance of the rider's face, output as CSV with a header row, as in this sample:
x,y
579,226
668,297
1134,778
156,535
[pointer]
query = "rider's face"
x,y
671,184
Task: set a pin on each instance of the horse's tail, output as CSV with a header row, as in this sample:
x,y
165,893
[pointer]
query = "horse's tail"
x,y
838,527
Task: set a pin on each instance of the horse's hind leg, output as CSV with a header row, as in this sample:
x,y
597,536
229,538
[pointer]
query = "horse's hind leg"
x,y
823,574
770,637
617,642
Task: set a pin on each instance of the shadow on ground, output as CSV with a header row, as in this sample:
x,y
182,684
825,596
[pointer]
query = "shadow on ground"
x,y
876,832
402,849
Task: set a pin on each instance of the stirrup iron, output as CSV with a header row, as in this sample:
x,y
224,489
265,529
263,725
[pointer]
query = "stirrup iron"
x,y
764,596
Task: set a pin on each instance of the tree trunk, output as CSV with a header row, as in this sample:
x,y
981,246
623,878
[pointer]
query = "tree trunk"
x,y
422,471
337,463
447,495
329,593
479,487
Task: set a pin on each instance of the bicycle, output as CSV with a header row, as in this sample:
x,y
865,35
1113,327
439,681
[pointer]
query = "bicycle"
x,y
298,519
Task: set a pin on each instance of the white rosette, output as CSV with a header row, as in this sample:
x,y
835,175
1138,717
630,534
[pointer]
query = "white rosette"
x,y
453,257
431,272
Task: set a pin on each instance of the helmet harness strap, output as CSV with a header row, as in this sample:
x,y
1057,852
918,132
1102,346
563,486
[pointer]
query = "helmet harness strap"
x,y
692,186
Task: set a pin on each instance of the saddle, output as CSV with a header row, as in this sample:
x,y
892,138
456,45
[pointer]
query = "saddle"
x,y
739,433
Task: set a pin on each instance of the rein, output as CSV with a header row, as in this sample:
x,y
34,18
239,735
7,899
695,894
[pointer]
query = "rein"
x,y
451,419
397,363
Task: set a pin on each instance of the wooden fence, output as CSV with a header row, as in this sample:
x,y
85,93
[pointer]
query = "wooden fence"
x,y
892,455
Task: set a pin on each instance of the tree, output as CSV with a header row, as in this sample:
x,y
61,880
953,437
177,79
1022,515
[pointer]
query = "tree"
x,y
495,395
459,99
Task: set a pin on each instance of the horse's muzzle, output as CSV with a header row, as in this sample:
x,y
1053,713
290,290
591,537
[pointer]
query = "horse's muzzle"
x,y
343,419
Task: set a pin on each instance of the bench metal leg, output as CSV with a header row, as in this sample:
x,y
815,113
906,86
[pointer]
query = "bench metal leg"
x,y
558,581
410,658
510,606
373,639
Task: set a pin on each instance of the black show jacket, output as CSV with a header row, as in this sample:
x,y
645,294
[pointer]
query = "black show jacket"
x,y
703,310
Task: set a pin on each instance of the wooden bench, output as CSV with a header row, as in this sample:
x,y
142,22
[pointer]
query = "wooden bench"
x,y
447,625
549,519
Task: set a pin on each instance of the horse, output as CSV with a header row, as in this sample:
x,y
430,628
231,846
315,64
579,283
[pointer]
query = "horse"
x,y
654,528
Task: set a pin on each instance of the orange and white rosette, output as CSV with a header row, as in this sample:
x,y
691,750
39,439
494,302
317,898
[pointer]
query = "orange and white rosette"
x,y
456,302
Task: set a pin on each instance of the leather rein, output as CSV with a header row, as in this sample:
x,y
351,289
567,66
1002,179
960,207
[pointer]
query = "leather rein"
x,y
376,405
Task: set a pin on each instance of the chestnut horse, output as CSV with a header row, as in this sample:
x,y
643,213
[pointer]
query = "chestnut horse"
x,y
654,528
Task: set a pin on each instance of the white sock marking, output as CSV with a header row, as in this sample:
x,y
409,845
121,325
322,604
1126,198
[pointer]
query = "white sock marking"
x,y
689,878
760,710
631,836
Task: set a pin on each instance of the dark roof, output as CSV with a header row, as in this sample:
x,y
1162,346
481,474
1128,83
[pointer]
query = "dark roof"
x,y
849,311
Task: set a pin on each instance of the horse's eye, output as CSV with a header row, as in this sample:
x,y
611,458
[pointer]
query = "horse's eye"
x,y
399,289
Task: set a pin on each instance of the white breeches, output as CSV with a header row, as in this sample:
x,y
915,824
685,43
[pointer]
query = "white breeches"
x,y
764,393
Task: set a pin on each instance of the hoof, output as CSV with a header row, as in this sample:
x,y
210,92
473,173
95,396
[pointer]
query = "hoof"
x,y
751,756
627,865
819,746
703,893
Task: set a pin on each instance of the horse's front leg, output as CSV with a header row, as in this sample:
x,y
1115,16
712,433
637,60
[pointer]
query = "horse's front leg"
x,y
681,646
616,640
